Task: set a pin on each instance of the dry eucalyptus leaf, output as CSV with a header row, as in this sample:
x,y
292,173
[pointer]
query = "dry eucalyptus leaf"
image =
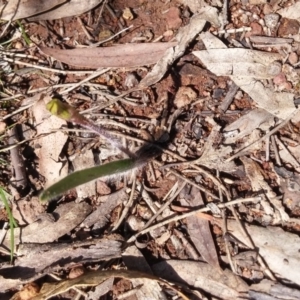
x,y
256,118
280,104
221,284
49,147
199,229
83,161
19,9
68,9
273,290
126,55
240,62
258,183
150,289
279,249
216,159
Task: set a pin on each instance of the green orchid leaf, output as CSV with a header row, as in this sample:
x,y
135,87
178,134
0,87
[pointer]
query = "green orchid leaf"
x,y
83,176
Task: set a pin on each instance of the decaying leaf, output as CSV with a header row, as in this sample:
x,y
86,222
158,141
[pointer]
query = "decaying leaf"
x,y
221,284
240,62
216,159
199,229
150,289
126,55
256,118
93,279
258,183
68,9
279,249
49,147
19,9
267,289
82,161
280,104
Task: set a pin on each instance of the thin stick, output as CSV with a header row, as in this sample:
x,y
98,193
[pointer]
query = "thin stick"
x,y
247,236
224,227
127,206
92,76
191,213
111,37
203,189
277,158
163,207
247,148
146,197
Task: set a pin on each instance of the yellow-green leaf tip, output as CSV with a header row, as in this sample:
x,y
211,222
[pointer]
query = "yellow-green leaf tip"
x,y
59,109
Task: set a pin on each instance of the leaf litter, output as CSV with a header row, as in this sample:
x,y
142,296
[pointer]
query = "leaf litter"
x,y
244,152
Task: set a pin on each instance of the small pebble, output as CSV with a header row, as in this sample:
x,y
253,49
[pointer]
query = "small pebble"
x,y
267,9
173,18
218,93
184,96
293,58
279,79
232,107
2,126
168,33
244,18
256,29
127,14
102,188
76,272
135,223
288,27
271,20
18,45
274,68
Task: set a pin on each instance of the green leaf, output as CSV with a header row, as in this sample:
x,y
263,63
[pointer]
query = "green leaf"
x,y
83,176
12,223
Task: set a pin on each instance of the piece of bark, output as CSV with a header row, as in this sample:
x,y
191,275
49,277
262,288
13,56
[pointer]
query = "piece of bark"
x,y
17,161
36,258
199,229
46,229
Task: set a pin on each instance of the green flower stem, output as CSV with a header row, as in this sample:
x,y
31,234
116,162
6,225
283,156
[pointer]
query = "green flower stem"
x,y
12,223
70,114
